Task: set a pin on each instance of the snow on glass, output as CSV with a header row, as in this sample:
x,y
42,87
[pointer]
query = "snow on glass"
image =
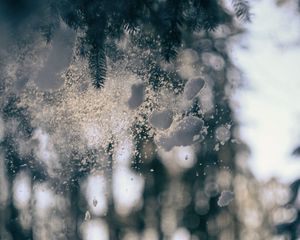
x,y
78,116
70,115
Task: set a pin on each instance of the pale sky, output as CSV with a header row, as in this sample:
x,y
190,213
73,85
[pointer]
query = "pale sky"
x,y
269,56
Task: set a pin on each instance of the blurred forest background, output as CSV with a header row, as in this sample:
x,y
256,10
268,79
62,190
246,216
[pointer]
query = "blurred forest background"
x,y
119,120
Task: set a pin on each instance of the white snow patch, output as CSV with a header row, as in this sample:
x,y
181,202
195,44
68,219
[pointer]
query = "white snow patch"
x,y
269,55
22,190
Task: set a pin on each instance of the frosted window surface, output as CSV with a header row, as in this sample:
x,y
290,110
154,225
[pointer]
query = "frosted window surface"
x,y
127,119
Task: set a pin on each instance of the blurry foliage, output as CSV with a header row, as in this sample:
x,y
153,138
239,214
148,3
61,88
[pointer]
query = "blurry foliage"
x,y
102,21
